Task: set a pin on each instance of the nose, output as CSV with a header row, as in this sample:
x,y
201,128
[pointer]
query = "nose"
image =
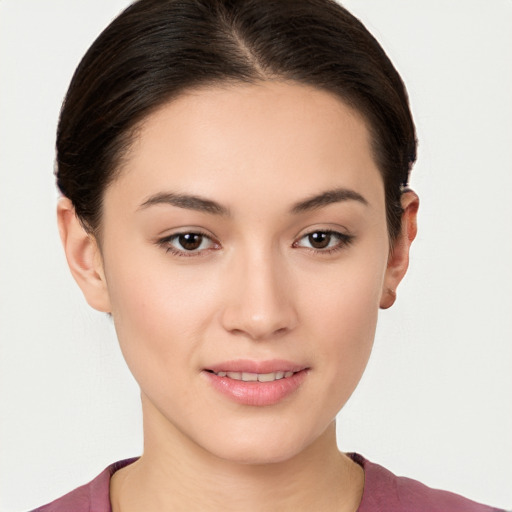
x,y
259,297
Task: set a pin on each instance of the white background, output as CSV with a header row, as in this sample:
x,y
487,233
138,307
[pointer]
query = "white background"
x,y
436,401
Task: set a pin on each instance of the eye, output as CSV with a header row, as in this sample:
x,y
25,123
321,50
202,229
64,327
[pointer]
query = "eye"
x,y
324,241
190,241
187,244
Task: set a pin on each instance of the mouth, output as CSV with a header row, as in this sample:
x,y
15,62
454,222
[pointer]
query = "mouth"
x,y
257,383
255,377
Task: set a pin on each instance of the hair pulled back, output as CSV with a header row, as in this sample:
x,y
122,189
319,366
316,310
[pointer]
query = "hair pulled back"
x,y
157,49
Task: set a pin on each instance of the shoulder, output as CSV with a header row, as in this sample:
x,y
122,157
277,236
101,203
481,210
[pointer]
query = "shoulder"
x,y
386,492
91,497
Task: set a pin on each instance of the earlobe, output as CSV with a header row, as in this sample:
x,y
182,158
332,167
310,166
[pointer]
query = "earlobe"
x,y
398,261
83,256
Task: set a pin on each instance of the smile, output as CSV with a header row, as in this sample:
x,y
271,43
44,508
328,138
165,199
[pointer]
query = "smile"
x,y
261,384
255,377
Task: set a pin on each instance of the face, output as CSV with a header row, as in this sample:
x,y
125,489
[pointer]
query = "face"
x,y
244,256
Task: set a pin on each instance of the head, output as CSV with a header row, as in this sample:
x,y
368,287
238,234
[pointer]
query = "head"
x,y
234,176
156,50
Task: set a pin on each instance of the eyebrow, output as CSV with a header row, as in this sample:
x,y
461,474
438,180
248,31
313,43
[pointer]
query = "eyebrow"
x,y
336,195
189,202
201,204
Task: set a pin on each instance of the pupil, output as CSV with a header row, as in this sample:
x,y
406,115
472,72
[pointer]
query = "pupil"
x,y
190,241
319,240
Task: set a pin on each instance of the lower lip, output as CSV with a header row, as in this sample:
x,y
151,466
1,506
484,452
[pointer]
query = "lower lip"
x,y
256,393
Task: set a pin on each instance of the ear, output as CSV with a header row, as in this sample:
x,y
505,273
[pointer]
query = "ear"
x,y
83,255
398,260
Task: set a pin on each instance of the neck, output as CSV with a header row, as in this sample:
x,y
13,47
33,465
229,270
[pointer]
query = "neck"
x,y
176,474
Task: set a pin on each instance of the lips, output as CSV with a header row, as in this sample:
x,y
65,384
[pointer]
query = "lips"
x,y
258,367
256,383
255,377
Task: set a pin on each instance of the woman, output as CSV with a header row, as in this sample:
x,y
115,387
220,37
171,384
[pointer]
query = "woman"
x,y
235,196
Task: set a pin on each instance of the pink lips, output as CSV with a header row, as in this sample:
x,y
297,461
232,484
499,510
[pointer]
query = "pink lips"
x,y
256,393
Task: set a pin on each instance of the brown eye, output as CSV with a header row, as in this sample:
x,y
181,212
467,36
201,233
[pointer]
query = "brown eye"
x,y
190,241
324,241
319,239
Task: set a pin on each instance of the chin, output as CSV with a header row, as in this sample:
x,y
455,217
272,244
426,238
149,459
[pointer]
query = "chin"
x,y
267,446
258,455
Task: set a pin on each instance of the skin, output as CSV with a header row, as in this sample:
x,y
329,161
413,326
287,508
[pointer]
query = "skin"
x,y
255,289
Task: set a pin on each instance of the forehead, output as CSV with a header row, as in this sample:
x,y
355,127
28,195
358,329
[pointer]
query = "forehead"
x,y
250,139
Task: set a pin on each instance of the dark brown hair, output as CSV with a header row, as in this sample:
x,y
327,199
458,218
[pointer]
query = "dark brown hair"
x,y
156,49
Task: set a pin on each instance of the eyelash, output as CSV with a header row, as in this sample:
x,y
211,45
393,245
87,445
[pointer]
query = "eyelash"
x,y
166,244
344,240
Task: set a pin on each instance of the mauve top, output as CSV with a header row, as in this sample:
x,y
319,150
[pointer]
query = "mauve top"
x,y
383,492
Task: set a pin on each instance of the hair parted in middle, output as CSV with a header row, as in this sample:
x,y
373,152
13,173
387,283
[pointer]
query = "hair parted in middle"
x,y
157,49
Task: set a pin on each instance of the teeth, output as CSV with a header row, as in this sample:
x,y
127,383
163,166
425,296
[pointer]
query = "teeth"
x,y
255,377
267,377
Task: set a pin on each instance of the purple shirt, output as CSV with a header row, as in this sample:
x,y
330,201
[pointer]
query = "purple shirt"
x,y
383,492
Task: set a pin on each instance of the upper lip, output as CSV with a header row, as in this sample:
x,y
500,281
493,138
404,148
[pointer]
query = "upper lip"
x,y
261,367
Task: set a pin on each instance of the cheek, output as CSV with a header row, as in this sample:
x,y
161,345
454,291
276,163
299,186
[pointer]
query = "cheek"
x,y
347,299
158,315
344,316
348,330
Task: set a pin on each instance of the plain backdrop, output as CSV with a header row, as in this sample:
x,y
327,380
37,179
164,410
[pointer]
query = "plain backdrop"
x,y
435,403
